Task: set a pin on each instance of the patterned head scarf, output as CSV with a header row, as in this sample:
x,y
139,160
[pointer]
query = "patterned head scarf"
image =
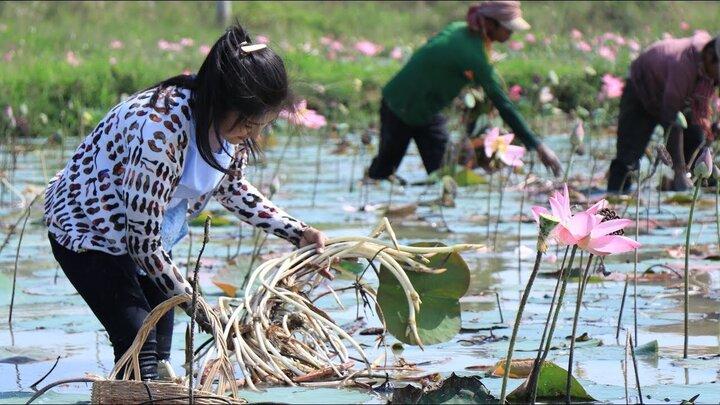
x,y
507,13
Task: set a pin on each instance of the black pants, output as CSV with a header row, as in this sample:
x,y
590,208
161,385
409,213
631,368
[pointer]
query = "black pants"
x,y
120,299
635,127
395,136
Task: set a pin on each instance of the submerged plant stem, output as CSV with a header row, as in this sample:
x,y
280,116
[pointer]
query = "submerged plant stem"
x,y
686,275
193,307
518,317
582,282
537,364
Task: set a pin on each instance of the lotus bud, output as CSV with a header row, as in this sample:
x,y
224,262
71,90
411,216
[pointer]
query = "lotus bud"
x,y
357,84
663,154
703,164
10,116
469,100
23,109
274,185
658,132
545,95
547,224
681,121
590,71
43,118
553,78
578,134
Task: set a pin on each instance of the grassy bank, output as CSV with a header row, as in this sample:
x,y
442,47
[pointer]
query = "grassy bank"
x,y
68,62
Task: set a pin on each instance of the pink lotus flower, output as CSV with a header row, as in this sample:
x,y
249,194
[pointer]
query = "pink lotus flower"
x,y
332,44
8,56
367,48
72,59
530,39
588,229
515,92
516,45
612,87
187,42
204,49
684,25
576,34
499,146
583,46
164,45
607,53
304,116
396,53
262,39
633,45
116,44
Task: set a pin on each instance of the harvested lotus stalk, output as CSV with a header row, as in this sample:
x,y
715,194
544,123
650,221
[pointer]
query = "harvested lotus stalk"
x,y
276,335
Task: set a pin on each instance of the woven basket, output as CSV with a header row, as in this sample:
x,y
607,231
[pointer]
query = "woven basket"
x,y
217,372
151,392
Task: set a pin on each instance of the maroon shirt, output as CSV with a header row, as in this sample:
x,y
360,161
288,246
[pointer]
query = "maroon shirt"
x,y
668,77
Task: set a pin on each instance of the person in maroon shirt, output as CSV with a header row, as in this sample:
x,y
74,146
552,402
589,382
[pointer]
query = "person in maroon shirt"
x,y
671,76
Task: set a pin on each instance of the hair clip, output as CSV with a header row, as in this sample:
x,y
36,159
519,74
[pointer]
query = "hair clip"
x,y
251,48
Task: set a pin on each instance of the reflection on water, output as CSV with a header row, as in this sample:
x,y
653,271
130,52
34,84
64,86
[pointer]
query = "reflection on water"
x,y
51,320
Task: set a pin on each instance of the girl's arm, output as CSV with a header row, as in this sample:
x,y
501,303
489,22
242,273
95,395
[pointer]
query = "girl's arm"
x,y
237,195
156,151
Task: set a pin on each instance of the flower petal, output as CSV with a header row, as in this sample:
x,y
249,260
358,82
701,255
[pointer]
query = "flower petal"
x,y
513,155
597,207
537,211
580,225
608,227
610,244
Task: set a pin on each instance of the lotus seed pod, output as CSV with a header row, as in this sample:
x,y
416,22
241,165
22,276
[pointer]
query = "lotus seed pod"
x,y
681,120
547,224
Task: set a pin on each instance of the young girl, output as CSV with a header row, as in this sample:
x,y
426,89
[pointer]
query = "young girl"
x,y
122,201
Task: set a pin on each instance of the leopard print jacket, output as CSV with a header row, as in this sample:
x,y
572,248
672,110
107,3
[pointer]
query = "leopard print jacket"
x,y
112,194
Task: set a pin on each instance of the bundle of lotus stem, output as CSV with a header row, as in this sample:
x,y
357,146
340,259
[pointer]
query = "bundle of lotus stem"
x,y
276,335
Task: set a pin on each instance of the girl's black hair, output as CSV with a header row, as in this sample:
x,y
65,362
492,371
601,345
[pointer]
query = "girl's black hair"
x,y
710,49
252,85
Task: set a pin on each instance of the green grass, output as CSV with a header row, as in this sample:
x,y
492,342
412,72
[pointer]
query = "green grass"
x,y
39,35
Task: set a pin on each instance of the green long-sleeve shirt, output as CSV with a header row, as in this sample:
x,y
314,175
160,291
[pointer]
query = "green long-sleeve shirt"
x,y
437,72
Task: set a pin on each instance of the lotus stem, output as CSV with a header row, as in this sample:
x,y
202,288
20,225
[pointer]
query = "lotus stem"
x,y
717,209
537,364
193,307
581,290
17,256
635,367
686,275
635,262
518,317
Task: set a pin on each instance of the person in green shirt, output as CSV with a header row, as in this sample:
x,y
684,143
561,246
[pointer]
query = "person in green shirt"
x,y
435,74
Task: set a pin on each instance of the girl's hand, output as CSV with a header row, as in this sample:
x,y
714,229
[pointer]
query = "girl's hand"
x,y
312,235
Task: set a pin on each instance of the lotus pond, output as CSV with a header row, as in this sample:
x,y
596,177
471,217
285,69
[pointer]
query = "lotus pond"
x,y
320,184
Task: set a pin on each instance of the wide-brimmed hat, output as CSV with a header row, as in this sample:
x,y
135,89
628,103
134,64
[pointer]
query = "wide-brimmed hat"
x,y
507,13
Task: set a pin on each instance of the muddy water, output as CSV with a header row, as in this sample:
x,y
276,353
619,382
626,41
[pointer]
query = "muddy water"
x,y
50,320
